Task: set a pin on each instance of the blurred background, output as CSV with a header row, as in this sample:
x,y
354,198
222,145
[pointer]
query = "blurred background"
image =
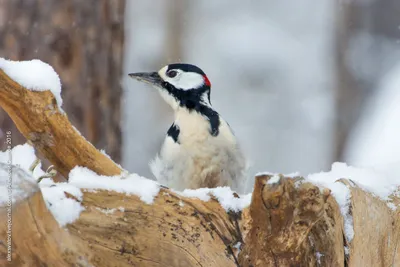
x,y
302,83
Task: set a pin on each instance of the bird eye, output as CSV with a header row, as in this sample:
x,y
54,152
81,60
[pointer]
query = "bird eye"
x,y
172,73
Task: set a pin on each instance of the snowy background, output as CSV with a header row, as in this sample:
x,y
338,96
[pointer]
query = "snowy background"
x,y
302,83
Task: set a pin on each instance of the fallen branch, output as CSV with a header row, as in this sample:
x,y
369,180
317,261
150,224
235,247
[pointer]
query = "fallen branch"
x,y
38,118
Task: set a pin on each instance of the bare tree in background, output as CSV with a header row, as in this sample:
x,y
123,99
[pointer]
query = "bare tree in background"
x,y
348,93
366,48
83,41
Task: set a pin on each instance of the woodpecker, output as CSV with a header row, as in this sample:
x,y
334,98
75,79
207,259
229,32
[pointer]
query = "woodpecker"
x,y
200,149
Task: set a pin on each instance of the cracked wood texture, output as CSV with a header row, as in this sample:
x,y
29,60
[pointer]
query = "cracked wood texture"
x,y
376,240
288,223
291,223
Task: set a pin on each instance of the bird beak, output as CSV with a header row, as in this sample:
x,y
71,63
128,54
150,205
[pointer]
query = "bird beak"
x,y
147,77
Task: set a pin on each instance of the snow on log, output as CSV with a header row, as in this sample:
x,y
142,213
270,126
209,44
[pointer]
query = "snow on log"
x,y
104,218
36,236
376,230
37,115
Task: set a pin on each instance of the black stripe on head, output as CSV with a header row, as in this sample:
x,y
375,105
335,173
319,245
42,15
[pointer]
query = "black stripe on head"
x,y
173,132
186,68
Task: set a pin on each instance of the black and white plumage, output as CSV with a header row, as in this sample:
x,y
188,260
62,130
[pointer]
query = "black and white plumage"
x,y
200,150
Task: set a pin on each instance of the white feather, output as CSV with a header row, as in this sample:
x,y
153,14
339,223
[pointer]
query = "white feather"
x,y
169,98
199,155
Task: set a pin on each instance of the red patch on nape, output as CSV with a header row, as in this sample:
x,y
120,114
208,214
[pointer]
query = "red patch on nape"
x,y
206,81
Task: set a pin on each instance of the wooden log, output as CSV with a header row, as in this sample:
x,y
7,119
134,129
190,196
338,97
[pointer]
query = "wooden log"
x,y
37,117
37,239
376,229
292,223
120,230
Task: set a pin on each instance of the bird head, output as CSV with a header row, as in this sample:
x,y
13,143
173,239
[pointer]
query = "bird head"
x,y
181,85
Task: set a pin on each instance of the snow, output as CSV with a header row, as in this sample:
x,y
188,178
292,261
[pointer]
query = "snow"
x,y
22,156
391,205
202,193
67,210
20,186
121,209
274,179
377,183
238,247
224,195
291,175
346,250
318,255
343,198
146,189
64,209
19,159
265,173
106,211
34,75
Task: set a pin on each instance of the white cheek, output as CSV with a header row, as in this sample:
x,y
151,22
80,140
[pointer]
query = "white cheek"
x,y
169,98
187,80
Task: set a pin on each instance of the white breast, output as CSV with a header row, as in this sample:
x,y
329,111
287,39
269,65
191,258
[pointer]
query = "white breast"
x,y
200,159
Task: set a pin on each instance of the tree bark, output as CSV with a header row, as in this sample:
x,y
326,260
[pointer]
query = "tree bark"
x,y
83,41
288,223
